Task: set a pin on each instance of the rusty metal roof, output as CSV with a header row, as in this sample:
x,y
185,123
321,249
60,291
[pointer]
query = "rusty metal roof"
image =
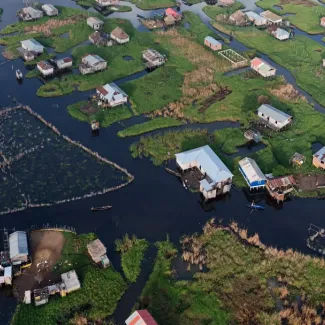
x,y
279,182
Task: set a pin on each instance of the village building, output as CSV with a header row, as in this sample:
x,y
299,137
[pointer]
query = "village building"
x,y
281,34
32,46
18,247
255,18
119,35
271,17
99,38
169,20
217,178
273,117
6,277
171,12
278,187
226,3
70,281
252,174
212,43
97,252
45,68
297,159
64,63
28,297
238,18
91,63
106,3
141,317
28,56
153,58
30,13
319,158
41,296
95,23
253,136
322,21
111,95
50,10
263,68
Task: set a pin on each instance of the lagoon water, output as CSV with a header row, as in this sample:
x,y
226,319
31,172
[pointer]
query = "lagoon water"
x,y
155,204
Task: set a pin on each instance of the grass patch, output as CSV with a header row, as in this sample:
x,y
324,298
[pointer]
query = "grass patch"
x,y
105,117
153,4
157,123
100,290
175,302
307,13
213,11
132,252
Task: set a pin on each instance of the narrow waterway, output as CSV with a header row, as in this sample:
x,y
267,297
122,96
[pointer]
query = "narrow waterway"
x,y
155,204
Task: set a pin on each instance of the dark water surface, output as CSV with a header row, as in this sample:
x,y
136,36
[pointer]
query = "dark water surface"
x,y
155,204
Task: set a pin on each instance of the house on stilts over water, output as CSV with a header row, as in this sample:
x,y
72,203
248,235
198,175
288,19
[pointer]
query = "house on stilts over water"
x,y
253,175
216,178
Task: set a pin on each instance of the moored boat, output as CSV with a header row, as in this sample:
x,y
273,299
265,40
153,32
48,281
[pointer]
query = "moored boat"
x,y
103,208
19,74
254,206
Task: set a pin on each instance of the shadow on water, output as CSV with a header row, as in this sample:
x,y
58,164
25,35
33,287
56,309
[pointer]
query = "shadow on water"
x,y
316,146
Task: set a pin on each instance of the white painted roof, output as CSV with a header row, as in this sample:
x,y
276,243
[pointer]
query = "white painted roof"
x,y
94,20
48,7
32,11
273,112
212,41
70,280
282,33
18,244
32,45
210,162
251,170
112,92
93,59
254,16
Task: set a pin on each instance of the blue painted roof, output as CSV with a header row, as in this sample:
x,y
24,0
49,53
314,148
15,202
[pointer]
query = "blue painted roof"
x,y
212,41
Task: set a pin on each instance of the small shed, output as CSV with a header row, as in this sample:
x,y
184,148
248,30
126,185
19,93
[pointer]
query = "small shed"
x,y
112,95
252,174
319,158
212,43
29,56
169,20
281,34
45,68
271,17
238,18
71,281
50,10
322,21
263,68
273,117
18,247
297,159
95,23
119,35
153,58
64,63
96,249
140,317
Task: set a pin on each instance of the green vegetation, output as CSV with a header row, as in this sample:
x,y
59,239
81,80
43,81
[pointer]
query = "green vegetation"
x,y
1,12
100,290
153,4
178,302
213,11
157,123
265,278
301,56
105,117
132,250
307,13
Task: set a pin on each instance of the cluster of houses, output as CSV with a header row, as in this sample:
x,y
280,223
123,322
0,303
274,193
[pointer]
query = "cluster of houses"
x,y
172,17
266,18
69,280
30,13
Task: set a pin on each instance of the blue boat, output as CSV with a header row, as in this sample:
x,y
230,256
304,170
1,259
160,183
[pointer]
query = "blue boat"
x,y
254,206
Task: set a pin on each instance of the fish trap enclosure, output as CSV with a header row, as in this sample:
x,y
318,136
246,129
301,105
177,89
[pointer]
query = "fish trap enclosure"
x,y
42,167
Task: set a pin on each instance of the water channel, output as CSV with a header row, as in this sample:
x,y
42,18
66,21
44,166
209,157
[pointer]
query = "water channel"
x,y
155,204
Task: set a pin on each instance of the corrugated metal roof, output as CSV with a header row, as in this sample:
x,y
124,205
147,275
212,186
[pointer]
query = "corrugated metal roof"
x,y
212,41
255,16
320,154
251,170
70,280
49,7
279,182
92,60
94,20
210,162
141,317
112,92
282,33
18,244
31,44
273,112
269,15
